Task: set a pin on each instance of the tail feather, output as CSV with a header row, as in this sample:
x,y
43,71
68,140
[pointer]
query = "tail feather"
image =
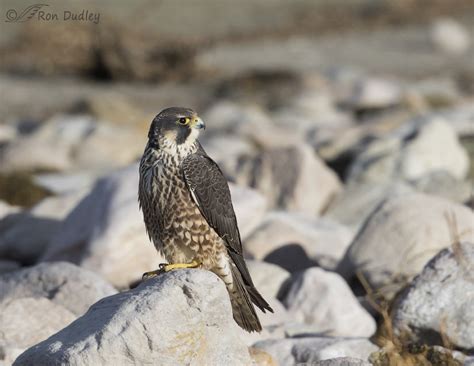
x,y
242,308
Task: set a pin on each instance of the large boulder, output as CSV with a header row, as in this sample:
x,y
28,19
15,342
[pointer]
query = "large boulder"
x,y
267,277
414,150
183,317
323,300
296,241
294,351
438,304
401,236
65,284
293,178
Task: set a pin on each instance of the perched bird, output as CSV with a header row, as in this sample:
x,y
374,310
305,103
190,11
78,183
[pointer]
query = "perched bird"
x,y
188,211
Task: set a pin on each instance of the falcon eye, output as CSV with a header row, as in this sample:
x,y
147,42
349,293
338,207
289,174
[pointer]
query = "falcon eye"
x,y
183,120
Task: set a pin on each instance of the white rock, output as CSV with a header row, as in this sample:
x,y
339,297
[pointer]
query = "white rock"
x,y
436,147
416,149
357,201
106,233
6,209
249,206
294,351
449,36
24,237
412,229
26,321
324,299
49,147
296,241
267,277
65,284
110,146
60,183
375,93
7,133
440,300
287,177
183,317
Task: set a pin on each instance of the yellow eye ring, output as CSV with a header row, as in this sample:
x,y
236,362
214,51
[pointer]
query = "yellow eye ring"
x,y
183,120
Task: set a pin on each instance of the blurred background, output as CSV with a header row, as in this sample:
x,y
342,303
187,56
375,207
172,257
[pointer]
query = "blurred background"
x,y
316,110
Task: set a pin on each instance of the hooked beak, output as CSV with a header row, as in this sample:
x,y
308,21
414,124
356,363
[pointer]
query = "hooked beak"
x,y
198,123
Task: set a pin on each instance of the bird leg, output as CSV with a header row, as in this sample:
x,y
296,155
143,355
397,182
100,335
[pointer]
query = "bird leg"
x,y
166,267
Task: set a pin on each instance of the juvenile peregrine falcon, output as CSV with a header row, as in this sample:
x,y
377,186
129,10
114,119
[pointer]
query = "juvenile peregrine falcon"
x,y
188,210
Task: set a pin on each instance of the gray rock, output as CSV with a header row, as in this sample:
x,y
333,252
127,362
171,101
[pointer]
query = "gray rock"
x,y
440,300
49,147
249,206
421,147
25,321
296,241
412,228
8,266
449,36
183,317
287,176
63,283
292,351
343,361
352,206
106,233
267,277
442,184
24,236
324,300
61,183
375,93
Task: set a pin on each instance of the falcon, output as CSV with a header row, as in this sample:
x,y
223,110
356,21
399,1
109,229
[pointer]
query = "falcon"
x,y
188,212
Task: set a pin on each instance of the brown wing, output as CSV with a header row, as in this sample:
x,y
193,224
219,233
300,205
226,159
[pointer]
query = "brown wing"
x,y
211,194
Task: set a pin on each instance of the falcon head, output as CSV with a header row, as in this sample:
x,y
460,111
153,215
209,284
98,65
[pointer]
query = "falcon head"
x,y
175,125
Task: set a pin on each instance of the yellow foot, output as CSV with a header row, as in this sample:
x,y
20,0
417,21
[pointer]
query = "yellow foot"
x,y
166,267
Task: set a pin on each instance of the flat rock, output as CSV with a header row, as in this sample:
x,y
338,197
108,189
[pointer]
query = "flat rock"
x,y
413,228
440,299
183,317
65,284
287,177
296,241
293,351
324,300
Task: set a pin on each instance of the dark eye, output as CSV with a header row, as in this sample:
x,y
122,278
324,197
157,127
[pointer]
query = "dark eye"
x,y
183,120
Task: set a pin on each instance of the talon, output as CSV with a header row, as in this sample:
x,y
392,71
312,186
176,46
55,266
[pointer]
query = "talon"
x,y
151,274
169,267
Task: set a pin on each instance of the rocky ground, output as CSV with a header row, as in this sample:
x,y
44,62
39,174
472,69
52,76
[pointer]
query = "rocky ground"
x,y
353,189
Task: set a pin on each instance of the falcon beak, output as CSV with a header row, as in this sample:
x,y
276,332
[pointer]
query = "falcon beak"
x,y
198,123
